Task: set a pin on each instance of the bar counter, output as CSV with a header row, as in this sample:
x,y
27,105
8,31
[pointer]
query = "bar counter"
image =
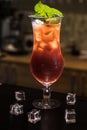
x,y
52,119
12,71
70,61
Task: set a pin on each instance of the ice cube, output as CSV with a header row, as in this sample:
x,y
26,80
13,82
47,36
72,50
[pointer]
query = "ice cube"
x,y
34,116
19,95
70,116
37,23
16,109
53,44
71,98
47,33
37,35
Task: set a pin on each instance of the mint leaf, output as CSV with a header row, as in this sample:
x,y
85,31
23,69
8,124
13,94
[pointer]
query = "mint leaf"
x,y
44,10
56,12
40,9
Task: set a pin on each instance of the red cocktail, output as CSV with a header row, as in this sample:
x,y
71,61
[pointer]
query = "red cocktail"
x,y
46,62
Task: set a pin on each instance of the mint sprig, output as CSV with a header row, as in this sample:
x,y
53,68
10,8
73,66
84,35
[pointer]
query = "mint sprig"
x,y
43,10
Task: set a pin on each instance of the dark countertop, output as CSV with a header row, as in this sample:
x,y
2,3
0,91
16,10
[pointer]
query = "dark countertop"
x,y
50,119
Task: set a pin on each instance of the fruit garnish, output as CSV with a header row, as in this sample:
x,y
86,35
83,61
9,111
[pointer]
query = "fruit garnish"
x,y
54,20
43,10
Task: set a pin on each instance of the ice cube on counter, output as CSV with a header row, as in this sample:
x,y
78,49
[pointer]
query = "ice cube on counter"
x,y
16,109
70,116
34,116
19,95
71,98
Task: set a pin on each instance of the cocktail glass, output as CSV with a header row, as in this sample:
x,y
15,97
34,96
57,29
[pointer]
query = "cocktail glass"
x,y
46,61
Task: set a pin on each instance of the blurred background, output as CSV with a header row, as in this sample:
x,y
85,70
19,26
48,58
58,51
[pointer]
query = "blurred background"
x,y
14,22
16,43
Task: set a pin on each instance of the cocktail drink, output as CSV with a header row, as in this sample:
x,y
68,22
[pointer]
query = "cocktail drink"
x,y
46,62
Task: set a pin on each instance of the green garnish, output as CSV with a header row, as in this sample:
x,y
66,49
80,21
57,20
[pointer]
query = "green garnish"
x,y
43,10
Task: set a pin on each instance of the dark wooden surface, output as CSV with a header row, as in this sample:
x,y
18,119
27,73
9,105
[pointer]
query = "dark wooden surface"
x,y
50,119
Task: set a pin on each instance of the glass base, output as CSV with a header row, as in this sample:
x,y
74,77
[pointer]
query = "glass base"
x,y
41,104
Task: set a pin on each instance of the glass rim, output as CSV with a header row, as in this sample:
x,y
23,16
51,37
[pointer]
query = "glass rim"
x,y
40,17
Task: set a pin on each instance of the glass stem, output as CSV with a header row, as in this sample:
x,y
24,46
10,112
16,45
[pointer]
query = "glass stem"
x,y
46,97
